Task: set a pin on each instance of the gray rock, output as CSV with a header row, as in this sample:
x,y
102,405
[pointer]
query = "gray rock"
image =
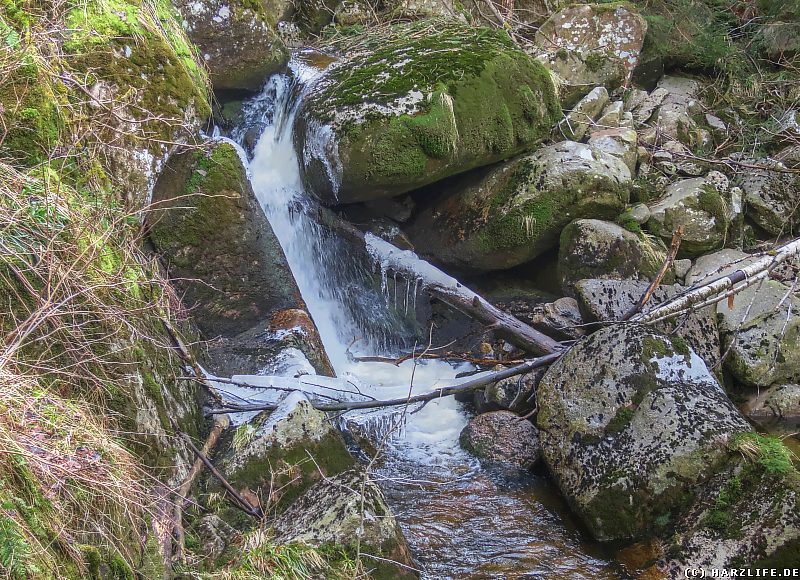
x,y
620,143
630,425
516,211
682,268
603,300
779,401
515,394
674,103
611,116
789,156
771,197
591,45
214,534
643,109
640,213
717,125
345,508
270,453
698,207
502,437
597,249
238,44
747,513
760,329
780,41
574,126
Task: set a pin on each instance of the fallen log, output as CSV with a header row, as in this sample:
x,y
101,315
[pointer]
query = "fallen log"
x,y
715,290
444,287
463,387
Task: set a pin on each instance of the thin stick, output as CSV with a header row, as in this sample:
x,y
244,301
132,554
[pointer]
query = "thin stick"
x,y
673,251
240,502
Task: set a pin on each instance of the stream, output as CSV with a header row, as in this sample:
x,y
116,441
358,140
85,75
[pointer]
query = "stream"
x,y
461,520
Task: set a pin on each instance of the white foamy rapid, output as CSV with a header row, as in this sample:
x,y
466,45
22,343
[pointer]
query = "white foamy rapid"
x,y
429,435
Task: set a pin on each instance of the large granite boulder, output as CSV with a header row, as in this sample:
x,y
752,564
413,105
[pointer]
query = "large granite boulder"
x,y
516,211
218,244
771,197
349,510
592,248
429,100
631,422
590,45
236,39
760,327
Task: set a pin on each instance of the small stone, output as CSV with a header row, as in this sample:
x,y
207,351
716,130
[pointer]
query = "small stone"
x,y
640,213
690,169
662,157
668,168
682,268
626,120
577,122
502,437
718,180
611,115
717,125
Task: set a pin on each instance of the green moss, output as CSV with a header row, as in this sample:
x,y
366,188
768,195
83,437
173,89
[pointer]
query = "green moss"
x,y
680,346
595,61
655,347
771,454
621,420
722,516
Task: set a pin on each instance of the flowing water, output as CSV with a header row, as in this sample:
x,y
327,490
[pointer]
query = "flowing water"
x,y
461,521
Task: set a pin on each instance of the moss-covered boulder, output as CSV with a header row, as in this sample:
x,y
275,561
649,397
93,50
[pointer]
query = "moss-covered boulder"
x,y
277,455
415,103
349,511
631,422
748,514
218,244
597,249
237,40
516,211
590,45
701,206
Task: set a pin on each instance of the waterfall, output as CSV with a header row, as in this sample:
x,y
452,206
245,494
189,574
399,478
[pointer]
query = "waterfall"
x,y
331,283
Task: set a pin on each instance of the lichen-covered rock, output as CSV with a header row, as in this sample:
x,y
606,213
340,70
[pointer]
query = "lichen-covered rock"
x,y
345,510
574,126
748,514
630,424
408,9
517,210
236,39
271,454
218,244
761,329
771,197
591,45
314,15
605,300
597,249
699,208
620,142
431,100
502,437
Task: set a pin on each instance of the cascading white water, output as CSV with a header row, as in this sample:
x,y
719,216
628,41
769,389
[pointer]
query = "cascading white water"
x,y
462,521
276,180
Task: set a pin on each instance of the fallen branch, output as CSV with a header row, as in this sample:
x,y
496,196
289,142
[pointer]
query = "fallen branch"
x,y
238,501
466,386
673,251
221,422
718,288
445,288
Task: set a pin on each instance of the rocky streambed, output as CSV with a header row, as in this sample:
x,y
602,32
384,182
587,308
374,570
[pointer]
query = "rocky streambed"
x,y
538,175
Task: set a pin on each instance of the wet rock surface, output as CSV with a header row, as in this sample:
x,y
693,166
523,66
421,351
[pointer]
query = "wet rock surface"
x,y
237,41
502,437
630,423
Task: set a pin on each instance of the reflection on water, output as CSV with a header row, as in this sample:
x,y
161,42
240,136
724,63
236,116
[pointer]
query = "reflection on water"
x,y
463,521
